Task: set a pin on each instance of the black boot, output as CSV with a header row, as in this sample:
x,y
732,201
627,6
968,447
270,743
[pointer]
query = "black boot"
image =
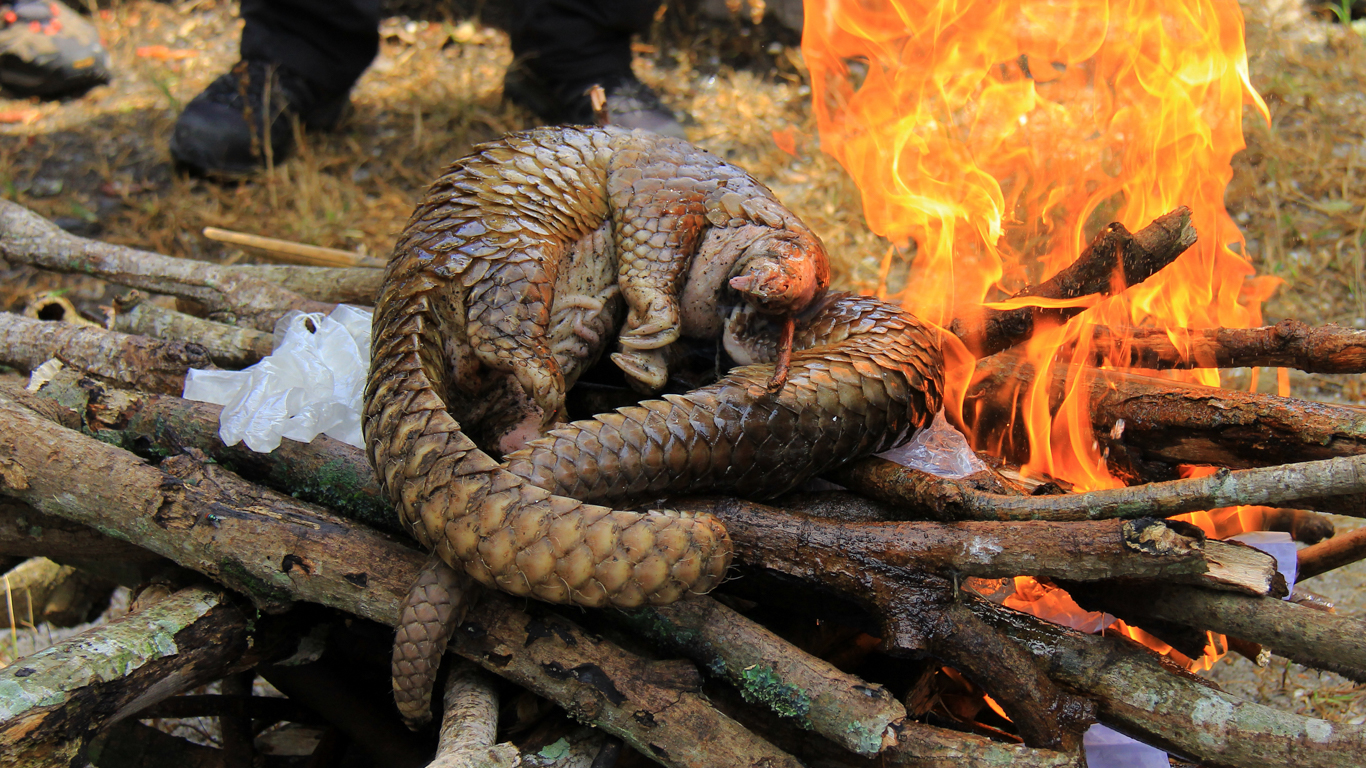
x,y
49,50
223,130
630,103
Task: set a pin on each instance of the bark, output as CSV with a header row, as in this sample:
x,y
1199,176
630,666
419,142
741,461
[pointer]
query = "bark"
x,y
1114,251
1168,423
1312,638
469,726
42,591
332,285
921,494
861,717
276,549
1142,694
324,471
228,346
27,238
53,702
134,361
1333,553
1287,344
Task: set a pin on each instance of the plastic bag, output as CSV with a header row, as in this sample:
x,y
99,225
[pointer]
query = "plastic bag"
x,y
940,450
310,385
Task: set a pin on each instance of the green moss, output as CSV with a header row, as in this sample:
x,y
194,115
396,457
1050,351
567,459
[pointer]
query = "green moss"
x,y
760,684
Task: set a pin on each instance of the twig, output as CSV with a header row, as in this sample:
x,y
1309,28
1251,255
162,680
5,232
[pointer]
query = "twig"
x,y
1138,256
1141,693
1287,344
228,346
288,250
1333,553
27,238
945,499
135,361
340,285
470,724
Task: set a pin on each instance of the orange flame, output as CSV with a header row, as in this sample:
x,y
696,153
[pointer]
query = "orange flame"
x,y
999,136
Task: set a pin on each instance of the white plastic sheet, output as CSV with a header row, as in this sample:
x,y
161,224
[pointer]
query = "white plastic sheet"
x,y
310,385
940,450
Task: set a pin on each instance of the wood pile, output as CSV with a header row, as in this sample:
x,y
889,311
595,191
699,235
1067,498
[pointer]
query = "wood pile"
x,y
857,630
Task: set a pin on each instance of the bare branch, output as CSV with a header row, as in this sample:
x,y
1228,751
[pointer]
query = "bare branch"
x,y
135,361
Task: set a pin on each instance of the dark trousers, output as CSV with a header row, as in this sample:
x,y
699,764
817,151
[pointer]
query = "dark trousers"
x,y
331,42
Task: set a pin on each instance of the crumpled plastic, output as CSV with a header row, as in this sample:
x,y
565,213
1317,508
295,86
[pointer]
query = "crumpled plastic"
x,y
310,385
940,449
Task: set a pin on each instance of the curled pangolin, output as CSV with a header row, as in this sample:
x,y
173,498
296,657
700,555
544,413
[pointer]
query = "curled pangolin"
x,y
507,284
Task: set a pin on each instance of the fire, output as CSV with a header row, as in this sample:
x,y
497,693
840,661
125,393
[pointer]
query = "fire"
x,y
999,136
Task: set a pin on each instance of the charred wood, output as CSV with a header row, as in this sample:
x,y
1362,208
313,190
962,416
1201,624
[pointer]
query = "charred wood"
x,y
1287,344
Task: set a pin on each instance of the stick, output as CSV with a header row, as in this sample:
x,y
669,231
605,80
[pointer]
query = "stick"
x,y
1313,638
1154,420
26,532
1140,693
1139,256
43,591
469,726
276,549
947,500
1287,344
134,361
1333,553
228,346
54,701
289,251
333,285
859,716
27,238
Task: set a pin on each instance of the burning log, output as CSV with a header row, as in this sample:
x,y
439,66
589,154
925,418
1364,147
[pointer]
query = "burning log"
x,y
30,239
1165,423
1287,344
1313,638
135,361
1136,257
190,638
1139,692
227,345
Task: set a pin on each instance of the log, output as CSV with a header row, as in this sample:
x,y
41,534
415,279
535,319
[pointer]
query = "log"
x,y
1287,344
276,549
53,702
331,285
920,494
469,724
1142,694
25,532
134,361
228,346
1169,423
229,295
1136,256
130,744
859,716
1331,554
1309,637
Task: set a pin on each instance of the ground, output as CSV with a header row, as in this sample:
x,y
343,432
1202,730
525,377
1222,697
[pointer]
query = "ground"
x,y
100,165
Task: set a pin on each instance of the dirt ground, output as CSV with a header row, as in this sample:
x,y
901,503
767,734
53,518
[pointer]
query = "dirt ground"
x,y
100,166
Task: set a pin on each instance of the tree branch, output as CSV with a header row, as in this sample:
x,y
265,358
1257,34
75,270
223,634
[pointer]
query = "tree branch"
x,y
134,361
1288,344
228,346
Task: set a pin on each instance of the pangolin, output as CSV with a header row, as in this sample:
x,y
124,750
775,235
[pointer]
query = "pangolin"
x,y
507,284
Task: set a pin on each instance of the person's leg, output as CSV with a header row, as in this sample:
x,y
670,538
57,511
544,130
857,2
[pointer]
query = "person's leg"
x,y
48,50
299,61
563,47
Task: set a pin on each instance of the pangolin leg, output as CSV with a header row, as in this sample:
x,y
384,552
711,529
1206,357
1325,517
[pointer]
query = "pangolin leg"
x,y
435,606
508,326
